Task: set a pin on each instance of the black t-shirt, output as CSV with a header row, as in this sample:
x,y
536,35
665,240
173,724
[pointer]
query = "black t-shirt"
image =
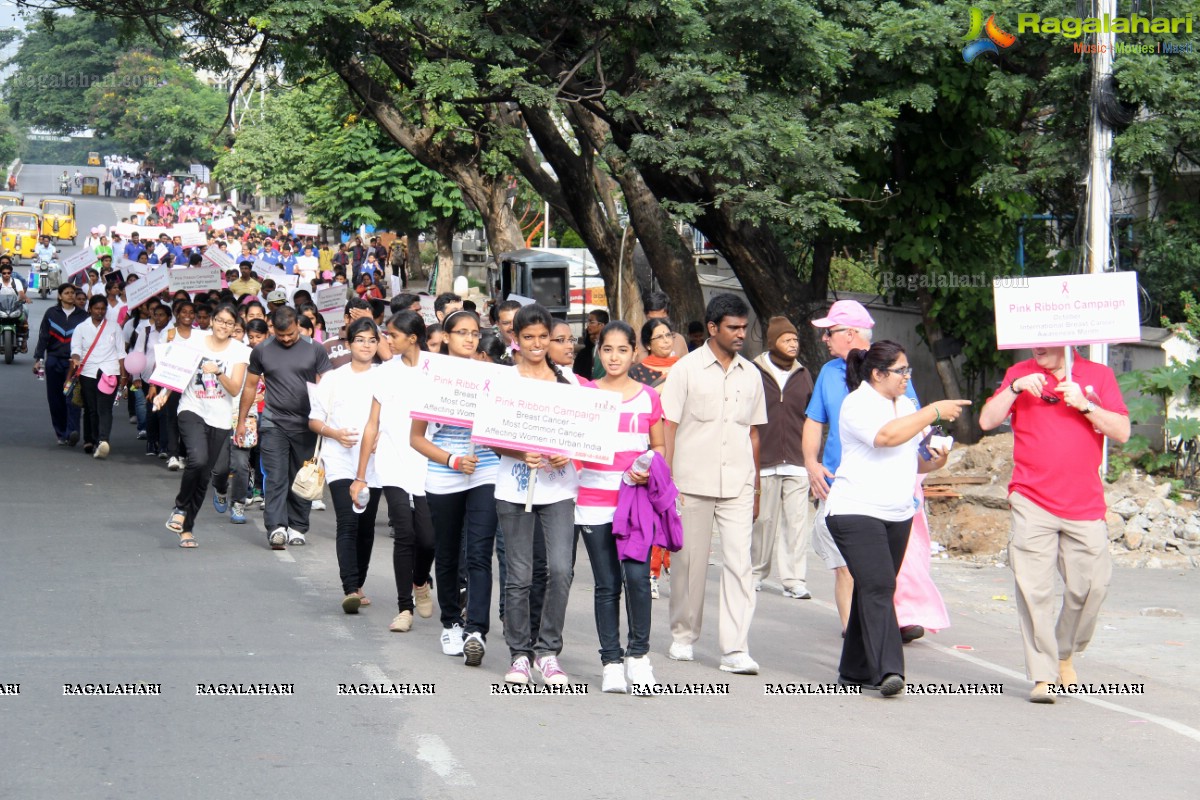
x,y
287,372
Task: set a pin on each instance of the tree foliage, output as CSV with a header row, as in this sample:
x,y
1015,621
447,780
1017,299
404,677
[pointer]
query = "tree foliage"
x,y
62,56
159,110
309,139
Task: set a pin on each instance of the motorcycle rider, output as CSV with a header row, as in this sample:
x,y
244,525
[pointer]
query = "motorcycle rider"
x,y
64,183
12,284
44,251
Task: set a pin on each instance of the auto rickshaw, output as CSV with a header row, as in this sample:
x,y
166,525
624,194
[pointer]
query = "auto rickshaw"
x,y
58,219
19,230
11,199
93,159
91,185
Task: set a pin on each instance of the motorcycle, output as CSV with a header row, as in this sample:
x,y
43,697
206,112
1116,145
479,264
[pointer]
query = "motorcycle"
x,y
49,276
12,310
64,186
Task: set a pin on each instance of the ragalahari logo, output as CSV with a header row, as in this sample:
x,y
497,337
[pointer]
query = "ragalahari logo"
x,y
985,38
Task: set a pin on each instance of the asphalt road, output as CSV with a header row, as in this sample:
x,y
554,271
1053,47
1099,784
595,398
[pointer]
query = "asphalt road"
x,y
93,589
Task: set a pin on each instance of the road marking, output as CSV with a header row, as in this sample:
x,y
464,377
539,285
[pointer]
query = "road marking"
x,y
1169,724
434,752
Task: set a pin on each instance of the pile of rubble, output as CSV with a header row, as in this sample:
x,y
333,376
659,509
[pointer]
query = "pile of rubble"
x,y
1146,528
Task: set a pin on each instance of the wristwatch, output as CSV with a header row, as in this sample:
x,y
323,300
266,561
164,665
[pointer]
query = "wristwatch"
x,y
1089,408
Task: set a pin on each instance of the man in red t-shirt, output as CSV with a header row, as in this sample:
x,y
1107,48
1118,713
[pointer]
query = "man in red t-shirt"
x,y
1059,423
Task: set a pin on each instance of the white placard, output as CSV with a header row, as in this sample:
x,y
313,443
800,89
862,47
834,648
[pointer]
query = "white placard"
x,y
265,269
544,417
1066,310
452,388
147,286
333,325
219,259
123,228
128,267
193,239
427,311
195,279
150,232
331,298
306,229
77,262
222,223
286,281
174,365
137,208
184,227
522,299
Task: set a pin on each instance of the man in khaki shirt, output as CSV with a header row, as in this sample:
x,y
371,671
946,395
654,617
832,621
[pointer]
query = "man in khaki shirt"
x,y
246,283
712,399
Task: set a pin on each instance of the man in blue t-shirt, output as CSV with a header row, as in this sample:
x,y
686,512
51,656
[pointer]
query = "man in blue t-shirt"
x,y
846,327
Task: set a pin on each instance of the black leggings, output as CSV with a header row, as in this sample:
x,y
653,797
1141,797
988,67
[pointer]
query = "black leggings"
x,y
207,446
873,549
412,547
355,534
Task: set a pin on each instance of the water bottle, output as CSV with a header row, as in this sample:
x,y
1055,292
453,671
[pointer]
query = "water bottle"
x,y
361,500
41,372
642,464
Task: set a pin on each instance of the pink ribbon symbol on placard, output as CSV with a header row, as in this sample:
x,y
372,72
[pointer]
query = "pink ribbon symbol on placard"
x,y
487,386
425,366
1065,290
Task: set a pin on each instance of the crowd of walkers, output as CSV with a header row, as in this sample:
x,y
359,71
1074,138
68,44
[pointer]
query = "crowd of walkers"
x,y
708,441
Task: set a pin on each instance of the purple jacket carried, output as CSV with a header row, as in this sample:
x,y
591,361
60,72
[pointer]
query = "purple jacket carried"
x,y
646,515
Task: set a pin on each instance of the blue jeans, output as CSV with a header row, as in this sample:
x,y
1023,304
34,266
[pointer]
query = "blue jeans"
x,y
609,573
138,400
558,521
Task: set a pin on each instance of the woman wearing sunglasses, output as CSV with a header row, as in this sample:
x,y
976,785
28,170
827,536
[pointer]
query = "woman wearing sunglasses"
x,y
870,505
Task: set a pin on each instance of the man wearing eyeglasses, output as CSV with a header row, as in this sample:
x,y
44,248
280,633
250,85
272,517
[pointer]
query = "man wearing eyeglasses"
x,y
846,327
1059,422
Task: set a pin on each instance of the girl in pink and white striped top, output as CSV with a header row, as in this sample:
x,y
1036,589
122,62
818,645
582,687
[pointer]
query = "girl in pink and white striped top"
x,y
640,429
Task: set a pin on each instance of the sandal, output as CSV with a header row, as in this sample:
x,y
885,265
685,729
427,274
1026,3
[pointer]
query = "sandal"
x,y
189,542
175,521
363,600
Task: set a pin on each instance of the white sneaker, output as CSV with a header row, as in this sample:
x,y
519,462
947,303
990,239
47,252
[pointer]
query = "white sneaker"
x,y
452,640
101,450
174,463
278,538
614,679
638,672
296,538
654,588
680,652
318,505
473,649
798,593
739,664
758,586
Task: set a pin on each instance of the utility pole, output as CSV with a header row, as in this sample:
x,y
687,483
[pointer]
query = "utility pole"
x,y
1099,240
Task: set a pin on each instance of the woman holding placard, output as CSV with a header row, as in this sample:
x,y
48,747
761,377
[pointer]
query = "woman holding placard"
x,y
401,470
339,411
205,419
641,430
552,483
459,487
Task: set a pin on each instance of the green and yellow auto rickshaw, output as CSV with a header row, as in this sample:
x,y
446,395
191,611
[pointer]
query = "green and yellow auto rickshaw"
x,y
91,185
19,231
11,199
58,219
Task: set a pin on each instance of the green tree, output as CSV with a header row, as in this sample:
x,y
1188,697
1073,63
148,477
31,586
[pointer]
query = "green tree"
x,y
159,109
60,58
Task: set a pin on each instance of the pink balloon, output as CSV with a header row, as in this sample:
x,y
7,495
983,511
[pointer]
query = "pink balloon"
x,y
135,362
102,229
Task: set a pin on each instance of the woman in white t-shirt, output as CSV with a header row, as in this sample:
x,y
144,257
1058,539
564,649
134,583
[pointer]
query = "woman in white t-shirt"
x,y
871,506
401,469
555,484
339,411
459,487
206,417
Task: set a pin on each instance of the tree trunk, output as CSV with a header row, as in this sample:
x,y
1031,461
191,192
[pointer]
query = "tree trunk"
x,y
413,256
966,428
670,257
454,158
444,229
630,309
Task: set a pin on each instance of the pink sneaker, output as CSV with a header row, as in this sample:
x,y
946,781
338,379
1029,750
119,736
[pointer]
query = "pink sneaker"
x,y
552,673
518,672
